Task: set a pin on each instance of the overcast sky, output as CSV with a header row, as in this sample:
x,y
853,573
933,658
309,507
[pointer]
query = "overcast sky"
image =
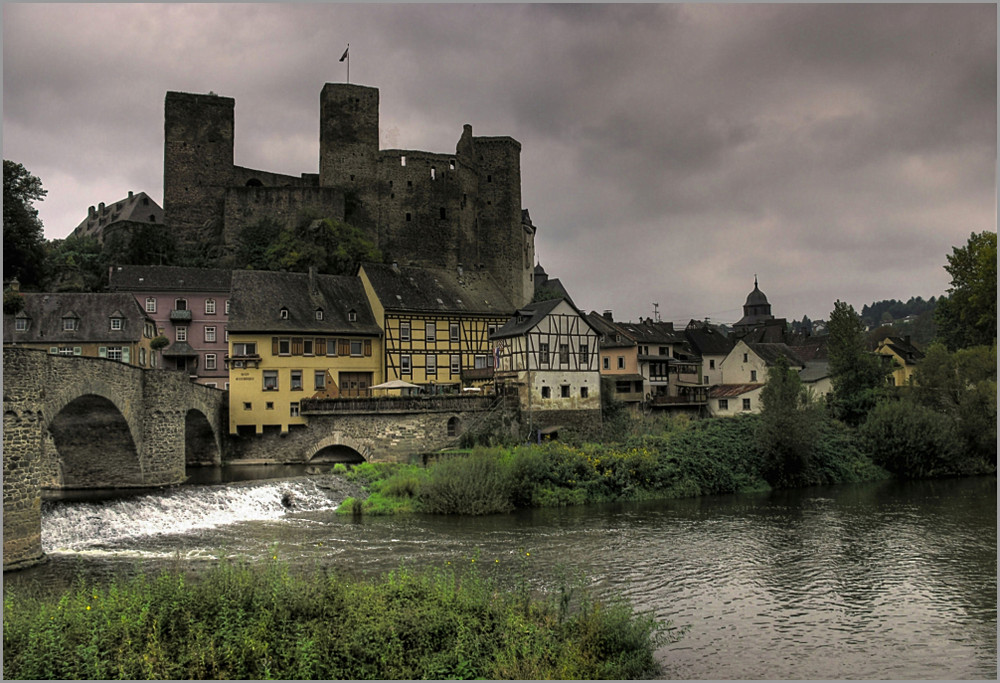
x,y
669,152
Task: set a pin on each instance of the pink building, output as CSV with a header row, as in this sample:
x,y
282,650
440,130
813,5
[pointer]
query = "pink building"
x,y
191,309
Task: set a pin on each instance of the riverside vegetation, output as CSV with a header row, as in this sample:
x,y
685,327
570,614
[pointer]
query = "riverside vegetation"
x,y
245,621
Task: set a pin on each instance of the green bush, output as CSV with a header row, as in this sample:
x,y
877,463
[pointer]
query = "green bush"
x,y
477,484
910,440
244,621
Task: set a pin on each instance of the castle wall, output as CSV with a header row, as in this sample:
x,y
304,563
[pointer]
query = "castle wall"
x,y
285,205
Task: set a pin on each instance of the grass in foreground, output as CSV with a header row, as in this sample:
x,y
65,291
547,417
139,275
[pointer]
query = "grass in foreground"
x,y
243,621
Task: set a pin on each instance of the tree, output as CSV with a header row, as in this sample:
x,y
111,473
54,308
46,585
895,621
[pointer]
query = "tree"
x,y
788,428
330,246
140,245
23,237
75,264
968,315
859,377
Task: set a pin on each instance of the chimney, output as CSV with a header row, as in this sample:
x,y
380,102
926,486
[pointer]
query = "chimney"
x,y
92,212
608,316
100,207
130,194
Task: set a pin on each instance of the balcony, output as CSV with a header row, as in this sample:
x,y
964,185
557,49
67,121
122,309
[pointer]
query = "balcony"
x,y
242,361
477,373
181,315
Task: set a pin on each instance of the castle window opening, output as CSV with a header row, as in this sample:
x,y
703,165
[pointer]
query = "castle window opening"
x,y
442,213
392,195
402,160
489,178
433,173
408,216
409,183
352,176
451,165
254,182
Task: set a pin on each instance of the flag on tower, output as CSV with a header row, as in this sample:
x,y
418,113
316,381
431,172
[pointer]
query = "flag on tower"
x,y
344,56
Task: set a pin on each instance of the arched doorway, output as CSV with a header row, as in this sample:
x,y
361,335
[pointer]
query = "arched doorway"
x,y
200,447
94,445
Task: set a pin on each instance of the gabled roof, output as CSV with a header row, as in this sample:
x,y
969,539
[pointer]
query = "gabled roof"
x,y
527,317
732,390
649,332
770,353
411,288
906,351
815,370
611,335
136,208
169,279
93,312
259,296
707,340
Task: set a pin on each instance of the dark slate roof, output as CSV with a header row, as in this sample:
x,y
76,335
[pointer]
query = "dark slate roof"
x,y
132,209
612,337
649,332
904,349
179,349
169,279
439,290
259,296
93,312
707,340
771,352
815,370
526,317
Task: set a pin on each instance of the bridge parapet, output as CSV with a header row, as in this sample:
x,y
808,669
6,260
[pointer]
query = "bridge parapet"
x,y
395,404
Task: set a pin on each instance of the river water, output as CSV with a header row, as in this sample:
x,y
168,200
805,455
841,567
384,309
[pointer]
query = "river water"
x,y
878,581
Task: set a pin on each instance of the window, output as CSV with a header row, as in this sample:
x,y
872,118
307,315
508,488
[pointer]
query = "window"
x,y
491,329
115,353
442,213
431,364
433,173
65,350
564,354
247,406
456,364
21,324
621,362
352,316
430,332
142,356
210,333
269,405
150,305
283,314
753,375
723,404
209,306
307,347
402,160
284,347
745,357
356,348
711,364
453,424
270,380
479,362
214,385
746,404
453,332
331,347
584,392
319,380
546,392
319,314
404,331
543,353
181,334
564,391
607,362
408,216
180,304
296,380
69,324
293,409
584,355
227,306
404,365
245,349
210,361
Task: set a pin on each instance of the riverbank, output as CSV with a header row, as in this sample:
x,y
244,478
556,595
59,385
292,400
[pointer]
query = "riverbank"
x,y
260,621
681,459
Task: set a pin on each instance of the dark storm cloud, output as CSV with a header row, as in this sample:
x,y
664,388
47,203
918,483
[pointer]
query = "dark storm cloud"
x,y
669,152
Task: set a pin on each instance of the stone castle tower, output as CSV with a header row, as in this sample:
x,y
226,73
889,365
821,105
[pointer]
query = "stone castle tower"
x,y
429,209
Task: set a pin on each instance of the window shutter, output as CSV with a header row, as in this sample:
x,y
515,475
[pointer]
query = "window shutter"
x,y
368,347
296,346
77,351
320,346
102,351
344,347
53,349
274,346
126,354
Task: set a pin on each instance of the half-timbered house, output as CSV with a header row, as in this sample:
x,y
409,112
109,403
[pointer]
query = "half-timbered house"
x,y
547,356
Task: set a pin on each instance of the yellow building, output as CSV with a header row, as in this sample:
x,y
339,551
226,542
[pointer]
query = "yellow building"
x,y
437,323
111,326
294,336
905,356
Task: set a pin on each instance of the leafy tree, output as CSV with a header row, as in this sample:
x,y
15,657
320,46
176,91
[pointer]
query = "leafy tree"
x,y
788,428
140,245
75,264
253,242
23,238
331,246
859,376
910,440
546,293
968,316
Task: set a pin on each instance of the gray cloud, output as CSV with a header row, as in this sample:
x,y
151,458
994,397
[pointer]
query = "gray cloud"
x,y
669,151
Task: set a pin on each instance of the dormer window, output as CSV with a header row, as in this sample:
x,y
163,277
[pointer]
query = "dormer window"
x,y
319,314
117,323
69,324
283,313
352,316
21,324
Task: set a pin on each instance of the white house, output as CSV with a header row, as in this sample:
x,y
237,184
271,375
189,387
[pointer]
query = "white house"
x,y
744,374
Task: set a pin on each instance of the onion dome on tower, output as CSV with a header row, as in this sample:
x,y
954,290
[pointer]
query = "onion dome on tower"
x,y
756,310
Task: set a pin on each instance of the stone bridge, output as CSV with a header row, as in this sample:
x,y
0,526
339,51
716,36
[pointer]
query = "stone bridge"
x,y
77,422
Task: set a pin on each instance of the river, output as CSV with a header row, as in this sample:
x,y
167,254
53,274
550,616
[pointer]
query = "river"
x,y
879,581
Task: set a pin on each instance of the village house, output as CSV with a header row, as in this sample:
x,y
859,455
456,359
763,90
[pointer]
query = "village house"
x,y
437,324
904,358
103,325
619,361
712,346
744,374
547,358
125,215
191,309
294,336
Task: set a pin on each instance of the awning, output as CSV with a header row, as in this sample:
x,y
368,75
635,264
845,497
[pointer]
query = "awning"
x,y
395,384
182,349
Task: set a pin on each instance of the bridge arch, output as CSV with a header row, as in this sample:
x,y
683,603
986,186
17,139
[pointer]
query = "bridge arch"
x,y
201,440
334,446
94,445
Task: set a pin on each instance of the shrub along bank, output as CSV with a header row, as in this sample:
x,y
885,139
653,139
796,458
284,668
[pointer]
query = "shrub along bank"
x,y
244,621
681,458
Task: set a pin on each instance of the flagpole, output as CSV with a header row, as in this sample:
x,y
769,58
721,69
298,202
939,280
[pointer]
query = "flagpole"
x,y
347,56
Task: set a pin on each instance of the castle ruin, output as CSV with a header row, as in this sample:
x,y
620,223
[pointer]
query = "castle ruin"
x,y
421,208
